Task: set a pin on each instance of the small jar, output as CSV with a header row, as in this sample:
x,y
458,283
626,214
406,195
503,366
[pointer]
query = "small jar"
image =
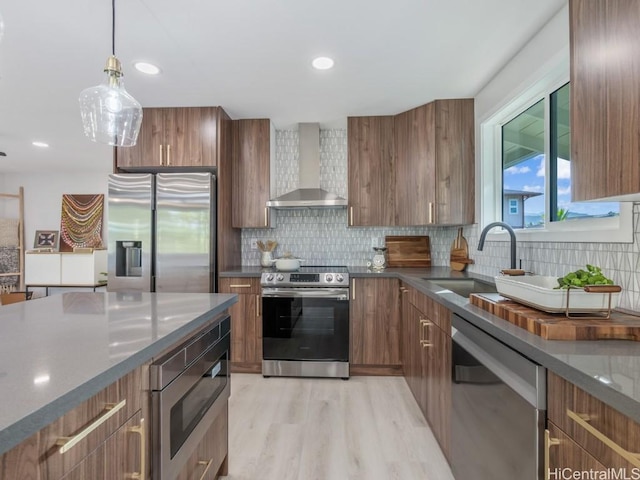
x,y
266,259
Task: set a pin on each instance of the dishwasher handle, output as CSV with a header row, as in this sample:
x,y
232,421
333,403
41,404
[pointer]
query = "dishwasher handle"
x,y
525,377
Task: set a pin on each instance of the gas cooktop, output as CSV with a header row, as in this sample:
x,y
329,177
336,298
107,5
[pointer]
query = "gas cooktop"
x,y
307,276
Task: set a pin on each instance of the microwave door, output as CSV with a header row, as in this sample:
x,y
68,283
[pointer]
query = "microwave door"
x,y
184,232
130,226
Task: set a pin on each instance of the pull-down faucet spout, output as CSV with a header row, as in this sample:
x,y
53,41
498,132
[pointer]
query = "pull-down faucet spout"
x,y
512,234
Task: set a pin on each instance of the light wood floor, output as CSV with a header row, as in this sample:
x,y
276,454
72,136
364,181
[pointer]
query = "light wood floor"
x,y
366,428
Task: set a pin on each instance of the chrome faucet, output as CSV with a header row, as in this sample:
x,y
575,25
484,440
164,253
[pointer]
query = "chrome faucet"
x,y
512,234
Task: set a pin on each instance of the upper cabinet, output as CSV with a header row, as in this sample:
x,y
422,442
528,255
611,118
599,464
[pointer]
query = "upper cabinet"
x,y
605,93
253,148
371,171
416,168
173,137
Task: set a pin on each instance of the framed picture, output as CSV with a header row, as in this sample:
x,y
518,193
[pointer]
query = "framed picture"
x,y
47,239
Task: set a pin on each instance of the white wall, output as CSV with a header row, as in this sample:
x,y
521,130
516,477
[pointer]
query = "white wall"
x,y
43,196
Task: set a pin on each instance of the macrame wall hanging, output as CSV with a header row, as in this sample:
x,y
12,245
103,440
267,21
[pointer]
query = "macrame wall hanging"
x,y
81,222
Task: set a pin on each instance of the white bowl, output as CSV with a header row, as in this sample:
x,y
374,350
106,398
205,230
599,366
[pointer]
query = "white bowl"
x,y
539,292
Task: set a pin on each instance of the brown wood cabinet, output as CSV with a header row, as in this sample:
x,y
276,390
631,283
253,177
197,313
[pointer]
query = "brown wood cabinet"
x,y
253,148
40,457
119,457
609,437
371,171
605,93
210,459
173,137
435,164
427,360
246,326
564,453
374,317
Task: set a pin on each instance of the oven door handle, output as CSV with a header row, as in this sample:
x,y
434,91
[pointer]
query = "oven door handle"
x,y
329,293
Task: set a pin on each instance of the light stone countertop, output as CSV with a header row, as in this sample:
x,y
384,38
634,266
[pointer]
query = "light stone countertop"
x,y
607,369
58,351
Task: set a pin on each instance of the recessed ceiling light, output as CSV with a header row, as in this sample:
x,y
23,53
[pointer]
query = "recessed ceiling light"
x,y
322,63
148,68
40,144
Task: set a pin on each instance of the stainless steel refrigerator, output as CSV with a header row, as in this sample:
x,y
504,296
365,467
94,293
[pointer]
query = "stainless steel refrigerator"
x,y
161,232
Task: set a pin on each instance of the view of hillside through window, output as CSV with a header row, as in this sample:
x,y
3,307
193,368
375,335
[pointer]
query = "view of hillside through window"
x,y
526,165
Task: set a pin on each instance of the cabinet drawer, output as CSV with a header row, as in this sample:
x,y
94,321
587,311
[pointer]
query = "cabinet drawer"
x,y
239,285
434,311
211,456
567,454
601,430
88,425
119,457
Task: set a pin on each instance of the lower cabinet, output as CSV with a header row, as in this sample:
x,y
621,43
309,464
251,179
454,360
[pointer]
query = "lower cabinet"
x,y
586,434
427,360
246,327
121,456
376,338
210,460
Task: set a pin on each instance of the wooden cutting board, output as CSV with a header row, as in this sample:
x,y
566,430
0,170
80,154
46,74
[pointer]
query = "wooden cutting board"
x,y
408,251
555,326
459,257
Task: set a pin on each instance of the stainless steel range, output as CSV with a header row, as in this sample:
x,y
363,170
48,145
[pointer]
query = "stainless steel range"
x,y
305,322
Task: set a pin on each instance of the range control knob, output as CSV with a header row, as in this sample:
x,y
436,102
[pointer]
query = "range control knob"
x,y
339,277
269,277
328,278
280,277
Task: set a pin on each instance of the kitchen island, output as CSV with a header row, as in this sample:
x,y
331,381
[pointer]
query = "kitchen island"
x,y
60,351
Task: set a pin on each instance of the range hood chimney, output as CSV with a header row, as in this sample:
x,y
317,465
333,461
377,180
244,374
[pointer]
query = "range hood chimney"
x,y
309,194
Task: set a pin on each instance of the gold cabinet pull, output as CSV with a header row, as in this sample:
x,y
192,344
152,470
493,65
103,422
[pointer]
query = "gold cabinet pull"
x,y
548,442
257,305
161,155
206,469
351,216
583,419
430,212
241,285
140,430
266,216
168,155
110,409
353,289
423,340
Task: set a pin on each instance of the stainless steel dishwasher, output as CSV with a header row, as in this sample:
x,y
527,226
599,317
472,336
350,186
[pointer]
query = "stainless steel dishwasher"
x,y
499,408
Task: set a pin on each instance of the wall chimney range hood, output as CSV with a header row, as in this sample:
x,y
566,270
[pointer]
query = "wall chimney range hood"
x,y
309,194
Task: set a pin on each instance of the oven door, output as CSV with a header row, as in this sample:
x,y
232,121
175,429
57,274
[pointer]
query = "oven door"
x,y
186,408
308,324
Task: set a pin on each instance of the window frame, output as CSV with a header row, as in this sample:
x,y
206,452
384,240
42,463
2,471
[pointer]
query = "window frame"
x,y
596,230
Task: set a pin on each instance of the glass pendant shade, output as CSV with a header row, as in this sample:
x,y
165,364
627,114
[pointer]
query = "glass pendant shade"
x,y
109,114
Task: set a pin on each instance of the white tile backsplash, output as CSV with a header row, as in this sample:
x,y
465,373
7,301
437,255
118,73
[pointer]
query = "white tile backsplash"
x,y
322,237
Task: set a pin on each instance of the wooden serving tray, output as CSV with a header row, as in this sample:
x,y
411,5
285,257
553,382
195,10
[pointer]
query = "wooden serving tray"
x,y
556,326
408,251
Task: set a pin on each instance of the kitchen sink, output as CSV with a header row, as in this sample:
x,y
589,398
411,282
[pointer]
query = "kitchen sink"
x,y
464,286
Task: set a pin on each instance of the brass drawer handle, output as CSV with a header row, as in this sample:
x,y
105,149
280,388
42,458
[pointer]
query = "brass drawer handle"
x,y
351,216
161,155
140,430
168,155
240,286
110,409
430,212
426,343
257,305
266,217
582,419
206,469
548,442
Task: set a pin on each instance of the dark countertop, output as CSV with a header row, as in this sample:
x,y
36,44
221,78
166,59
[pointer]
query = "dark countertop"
x,y
607,369
58,351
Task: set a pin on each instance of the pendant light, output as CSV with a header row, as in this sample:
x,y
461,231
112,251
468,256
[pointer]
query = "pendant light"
x,y
109,114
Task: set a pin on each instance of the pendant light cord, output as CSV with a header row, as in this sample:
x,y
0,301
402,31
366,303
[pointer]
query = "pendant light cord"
x,y
113,27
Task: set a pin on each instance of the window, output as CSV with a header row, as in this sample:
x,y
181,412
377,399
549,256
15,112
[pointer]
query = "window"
x,y
526,171
525,163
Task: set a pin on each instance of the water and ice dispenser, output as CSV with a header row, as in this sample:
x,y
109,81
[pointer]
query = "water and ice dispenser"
x,y
128,258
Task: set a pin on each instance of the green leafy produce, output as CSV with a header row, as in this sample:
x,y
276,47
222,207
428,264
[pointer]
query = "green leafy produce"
x,y
581,278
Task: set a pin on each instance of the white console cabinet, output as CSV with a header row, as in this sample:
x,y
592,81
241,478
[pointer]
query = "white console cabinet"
x,y
65,269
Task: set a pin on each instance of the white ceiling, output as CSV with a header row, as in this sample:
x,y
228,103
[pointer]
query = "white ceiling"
x,y
252,57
